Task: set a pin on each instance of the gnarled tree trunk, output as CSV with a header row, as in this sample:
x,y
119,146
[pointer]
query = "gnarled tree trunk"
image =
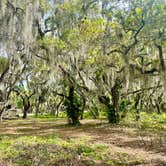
x,y
74,114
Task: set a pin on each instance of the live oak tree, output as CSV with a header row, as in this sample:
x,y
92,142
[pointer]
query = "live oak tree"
x,y
106,49
102,53
17,38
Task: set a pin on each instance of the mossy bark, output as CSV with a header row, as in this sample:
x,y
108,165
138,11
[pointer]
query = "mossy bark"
x,y
72,112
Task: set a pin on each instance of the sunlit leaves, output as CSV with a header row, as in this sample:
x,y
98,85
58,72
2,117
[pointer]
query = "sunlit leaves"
x,y
51,42
91,60
3,63
91,28
44,5
138,11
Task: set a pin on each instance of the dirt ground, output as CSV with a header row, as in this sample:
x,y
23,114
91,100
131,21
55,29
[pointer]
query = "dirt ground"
x,y
149,145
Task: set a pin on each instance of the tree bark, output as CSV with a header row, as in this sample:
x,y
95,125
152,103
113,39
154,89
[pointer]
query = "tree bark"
x,y
26,107
161,58
115,93
111,113
137,99
83,108
73,111
37,109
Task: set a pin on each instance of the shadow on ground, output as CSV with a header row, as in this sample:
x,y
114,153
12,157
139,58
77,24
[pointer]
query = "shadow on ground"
x,y
149,144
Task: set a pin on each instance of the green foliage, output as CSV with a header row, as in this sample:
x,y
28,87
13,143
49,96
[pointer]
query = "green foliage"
x,y
44,117
77,104
44,5
58,44
147,120
3,63
153,120
138,11
92,113
48,149
124,104
19,103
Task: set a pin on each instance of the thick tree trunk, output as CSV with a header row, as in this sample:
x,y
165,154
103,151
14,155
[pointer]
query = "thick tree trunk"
x,y
73,111
112,117
24,114
111,113
115,93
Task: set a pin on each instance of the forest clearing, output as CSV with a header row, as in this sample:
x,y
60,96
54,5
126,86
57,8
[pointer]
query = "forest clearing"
x,y
51,141
82,82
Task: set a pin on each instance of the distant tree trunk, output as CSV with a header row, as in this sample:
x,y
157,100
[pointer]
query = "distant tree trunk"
x,y
39,102
37,109
83,108
26,107
158,107
53,110
95,111
161,57
3,108
137,99
158,102
1,112
59,106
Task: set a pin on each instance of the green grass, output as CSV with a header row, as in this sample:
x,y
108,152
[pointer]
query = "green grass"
x,y
45,117
53,149
26,150
147,121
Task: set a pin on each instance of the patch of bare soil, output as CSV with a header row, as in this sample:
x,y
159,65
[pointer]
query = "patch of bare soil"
x,y
145,144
